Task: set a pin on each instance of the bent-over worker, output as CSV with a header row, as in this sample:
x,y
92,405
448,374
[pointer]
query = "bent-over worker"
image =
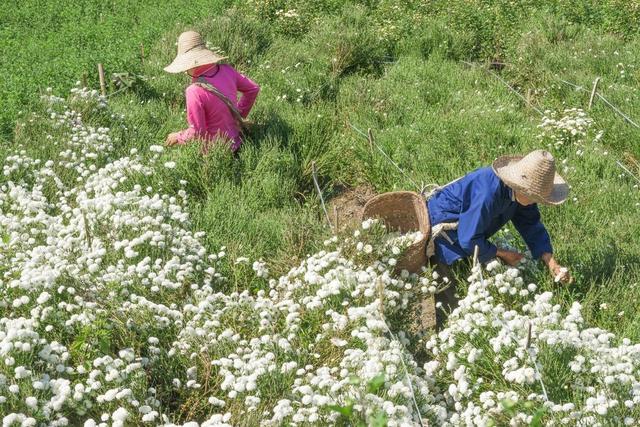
x,y
485,200
213,109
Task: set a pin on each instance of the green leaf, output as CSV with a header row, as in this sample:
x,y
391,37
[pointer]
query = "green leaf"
x,y
354,380
508,404
380,420
104,341
345,411
536,421
375,383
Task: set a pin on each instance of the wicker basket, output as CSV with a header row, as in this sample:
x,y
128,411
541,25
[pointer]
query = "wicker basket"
x,y
403,211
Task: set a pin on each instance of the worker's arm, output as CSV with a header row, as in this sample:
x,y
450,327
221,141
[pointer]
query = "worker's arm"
x,y
195,117
528,223
510,257
249,90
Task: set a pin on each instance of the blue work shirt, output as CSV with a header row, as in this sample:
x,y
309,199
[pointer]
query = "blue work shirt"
x,y
481,204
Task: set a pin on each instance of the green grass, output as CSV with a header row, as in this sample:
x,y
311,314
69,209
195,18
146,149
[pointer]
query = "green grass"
x,y
367,67
370,64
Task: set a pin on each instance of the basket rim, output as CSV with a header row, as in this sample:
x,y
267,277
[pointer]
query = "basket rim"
x,y
377,197
417,200
416,207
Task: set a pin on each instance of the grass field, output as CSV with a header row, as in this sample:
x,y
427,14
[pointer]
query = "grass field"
x,y
416,74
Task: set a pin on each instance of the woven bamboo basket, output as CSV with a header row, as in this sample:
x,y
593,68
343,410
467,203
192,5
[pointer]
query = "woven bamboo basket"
x,y
404,212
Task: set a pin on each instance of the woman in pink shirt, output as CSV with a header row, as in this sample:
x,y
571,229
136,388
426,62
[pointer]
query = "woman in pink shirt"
x,y
213,109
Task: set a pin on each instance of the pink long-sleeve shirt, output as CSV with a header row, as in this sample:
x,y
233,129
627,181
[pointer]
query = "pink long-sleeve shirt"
x,y
209,118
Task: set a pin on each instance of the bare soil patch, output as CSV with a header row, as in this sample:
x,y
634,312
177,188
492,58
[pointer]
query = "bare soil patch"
x,y
348,205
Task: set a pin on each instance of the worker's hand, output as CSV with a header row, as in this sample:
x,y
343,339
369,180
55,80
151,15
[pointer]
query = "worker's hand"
x,y
172,139
510,257
559,273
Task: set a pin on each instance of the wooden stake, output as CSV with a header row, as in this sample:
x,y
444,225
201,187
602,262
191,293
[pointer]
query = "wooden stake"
x,y
314,174
370,137
103,88
528,343
380,289
335,217
528,97
593,91
84,80
142,53
86,229
476,254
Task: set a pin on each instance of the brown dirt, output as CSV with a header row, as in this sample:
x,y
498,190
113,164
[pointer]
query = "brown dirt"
x,y
425,319
348,206
421,327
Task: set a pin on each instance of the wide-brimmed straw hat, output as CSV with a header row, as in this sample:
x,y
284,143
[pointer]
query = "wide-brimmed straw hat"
x,y
192,52
534,175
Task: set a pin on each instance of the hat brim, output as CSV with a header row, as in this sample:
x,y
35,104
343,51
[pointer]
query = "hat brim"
x,y
192,59
503,167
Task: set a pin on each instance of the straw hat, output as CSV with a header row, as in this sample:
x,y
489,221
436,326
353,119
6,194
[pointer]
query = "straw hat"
x,y
192,52
534,175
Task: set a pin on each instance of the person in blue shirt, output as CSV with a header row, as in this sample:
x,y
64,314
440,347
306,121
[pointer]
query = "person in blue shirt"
x,y
477,205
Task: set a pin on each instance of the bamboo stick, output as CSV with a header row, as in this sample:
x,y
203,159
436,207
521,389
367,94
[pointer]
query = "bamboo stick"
x,y
593,91
103,88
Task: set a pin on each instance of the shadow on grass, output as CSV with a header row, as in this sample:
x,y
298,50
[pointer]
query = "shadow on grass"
x,y
271,127
598,265
145,91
